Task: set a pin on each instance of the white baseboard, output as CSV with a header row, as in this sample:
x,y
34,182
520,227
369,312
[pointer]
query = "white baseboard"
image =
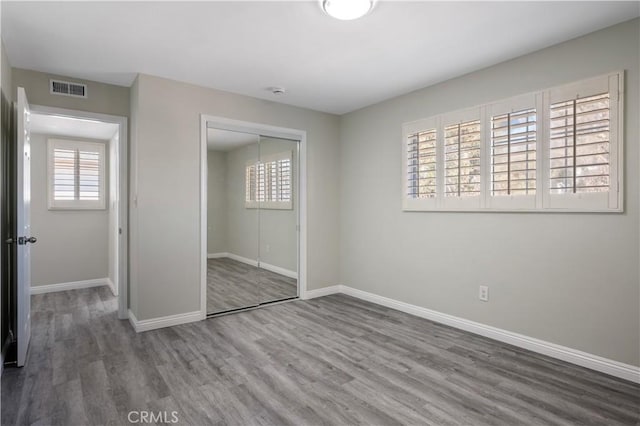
x,y
242,259
573,356
112,286
217,255
252,262
74,285
320,292
161,322
278,270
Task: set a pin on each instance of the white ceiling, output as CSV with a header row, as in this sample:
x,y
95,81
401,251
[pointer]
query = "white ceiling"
x,y
325,64
72,127
225,140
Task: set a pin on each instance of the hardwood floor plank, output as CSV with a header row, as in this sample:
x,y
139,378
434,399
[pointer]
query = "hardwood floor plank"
x,y
233,285
335,360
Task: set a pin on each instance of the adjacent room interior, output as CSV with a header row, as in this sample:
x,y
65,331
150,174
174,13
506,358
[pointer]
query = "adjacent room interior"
x,y
294,213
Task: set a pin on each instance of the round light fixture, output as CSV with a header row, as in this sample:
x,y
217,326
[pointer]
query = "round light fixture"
x,y
347,10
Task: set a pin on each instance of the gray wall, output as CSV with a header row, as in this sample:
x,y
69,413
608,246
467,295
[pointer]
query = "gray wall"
x,y
165,225
101,98
242,223
571,279
217,202
278,235
6,74
72,245
5,135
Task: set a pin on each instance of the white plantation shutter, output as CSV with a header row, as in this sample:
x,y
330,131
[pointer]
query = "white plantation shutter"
x,y
76,174
513,153
462,159
422,167
584,145
251,183
579,145
283,180
89,179
268,182
421,164
261,191
555,150
64,174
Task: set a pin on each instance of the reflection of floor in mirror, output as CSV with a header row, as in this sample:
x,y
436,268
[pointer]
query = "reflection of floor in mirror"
x,y
232,285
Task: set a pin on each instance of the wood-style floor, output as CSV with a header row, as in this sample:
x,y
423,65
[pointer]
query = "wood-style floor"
x,y
232,285
329,361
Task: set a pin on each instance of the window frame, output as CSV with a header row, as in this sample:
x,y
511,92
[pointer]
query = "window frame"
x,y
611,201
76,204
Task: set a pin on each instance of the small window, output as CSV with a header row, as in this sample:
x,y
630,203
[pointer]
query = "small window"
x,y
76,175
268,182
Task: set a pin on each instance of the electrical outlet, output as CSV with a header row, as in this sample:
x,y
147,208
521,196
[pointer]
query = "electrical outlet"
x,y
483,294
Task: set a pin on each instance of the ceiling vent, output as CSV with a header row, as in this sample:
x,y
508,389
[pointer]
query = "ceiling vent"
x,y
66,88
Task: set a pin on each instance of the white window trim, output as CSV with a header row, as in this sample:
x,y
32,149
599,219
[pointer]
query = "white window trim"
x,y
53,204
605,202
271,205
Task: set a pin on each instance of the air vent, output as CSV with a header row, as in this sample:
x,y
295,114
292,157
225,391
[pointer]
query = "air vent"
x,y
66,88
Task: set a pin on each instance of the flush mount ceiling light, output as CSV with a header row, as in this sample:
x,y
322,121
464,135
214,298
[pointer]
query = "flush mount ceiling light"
x,y
347,10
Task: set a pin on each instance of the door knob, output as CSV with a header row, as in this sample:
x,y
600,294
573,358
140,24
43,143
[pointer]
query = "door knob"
x,y
24,240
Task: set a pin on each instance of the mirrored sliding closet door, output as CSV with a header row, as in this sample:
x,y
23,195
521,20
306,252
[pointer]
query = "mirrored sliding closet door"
x,y
252,220
278,219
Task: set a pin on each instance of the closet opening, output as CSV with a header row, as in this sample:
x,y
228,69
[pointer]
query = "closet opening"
x,y
252,216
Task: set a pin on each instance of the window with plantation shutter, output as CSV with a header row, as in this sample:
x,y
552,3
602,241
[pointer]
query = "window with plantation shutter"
x,y
76,174
584,145
579,145
462,159
559,149
513,153
421,160
268,182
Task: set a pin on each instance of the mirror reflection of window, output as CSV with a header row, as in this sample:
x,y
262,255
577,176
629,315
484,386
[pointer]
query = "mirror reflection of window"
x,y
268,182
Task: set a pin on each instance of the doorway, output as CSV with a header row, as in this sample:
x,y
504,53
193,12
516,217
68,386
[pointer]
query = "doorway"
x,y
253,222
109,133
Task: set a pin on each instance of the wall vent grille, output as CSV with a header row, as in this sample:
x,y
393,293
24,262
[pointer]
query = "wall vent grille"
x,y
66,88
